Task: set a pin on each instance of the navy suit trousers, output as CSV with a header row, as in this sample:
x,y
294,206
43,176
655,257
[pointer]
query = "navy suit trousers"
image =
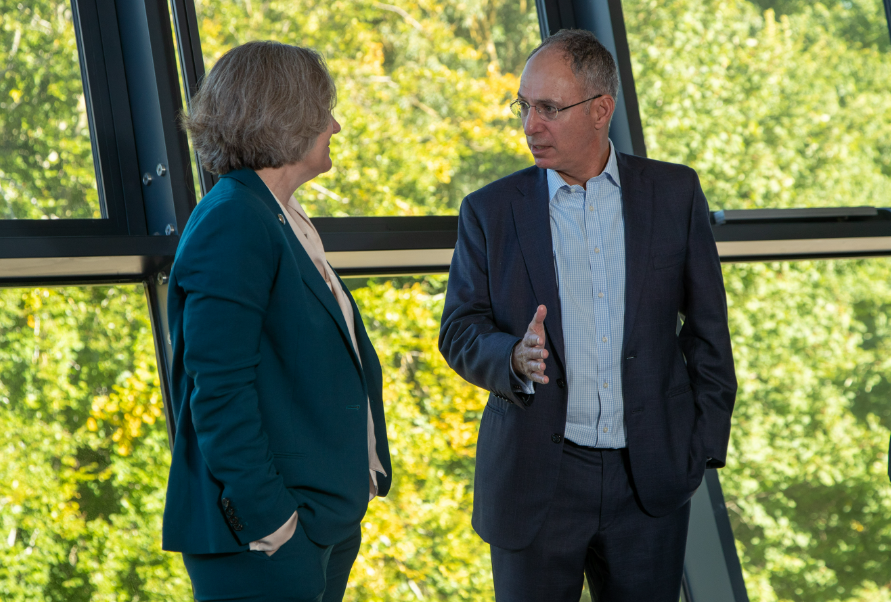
x,y
596,527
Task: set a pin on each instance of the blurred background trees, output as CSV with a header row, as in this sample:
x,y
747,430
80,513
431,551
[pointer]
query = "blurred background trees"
x,y
775,103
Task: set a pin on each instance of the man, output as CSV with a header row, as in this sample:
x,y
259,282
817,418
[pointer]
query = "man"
x,y
603,415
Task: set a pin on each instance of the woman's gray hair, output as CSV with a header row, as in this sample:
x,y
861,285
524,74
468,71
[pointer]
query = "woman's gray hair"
x,y
262,105
591,62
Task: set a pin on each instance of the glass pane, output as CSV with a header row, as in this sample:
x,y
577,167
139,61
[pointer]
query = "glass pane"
x,y
806,482
46,161
417,543
423,91
83,450
776,103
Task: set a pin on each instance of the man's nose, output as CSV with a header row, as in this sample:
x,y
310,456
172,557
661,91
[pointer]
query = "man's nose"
x,y
533,122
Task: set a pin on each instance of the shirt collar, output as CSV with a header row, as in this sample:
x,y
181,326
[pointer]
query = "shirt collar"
x,y
610,172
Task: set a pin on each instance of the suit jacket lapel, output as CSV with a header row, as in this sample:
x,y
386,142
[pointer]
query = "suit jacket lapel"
x,y
637,203
532,219
311,277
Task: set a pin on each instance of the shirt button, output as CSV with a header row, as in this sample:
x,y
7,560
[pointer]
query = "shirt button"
x,y
606,385
590,207
597,249
600,295
605,429
604,339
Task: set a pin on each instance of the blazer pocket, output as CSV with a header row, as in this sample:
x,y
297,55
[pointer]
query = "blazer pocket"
x,y
499,406
288,454
679,390
291,467
666,260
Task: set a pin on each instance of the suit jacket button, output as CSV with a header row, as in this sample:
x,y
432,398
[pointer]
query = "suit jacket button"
x,y
238,527
557,438
230,510
225,501
561,383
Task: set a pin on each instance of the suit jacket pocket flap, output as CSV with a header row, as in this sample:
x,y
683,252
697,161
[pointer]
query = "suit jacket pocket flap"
x,y
664,260
499,406
679,390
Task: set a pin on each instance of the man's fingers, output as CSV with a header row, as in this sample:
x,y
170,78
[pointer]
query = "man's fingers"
x,y
532,339
541,312
536,326
539,377
531,353
536,366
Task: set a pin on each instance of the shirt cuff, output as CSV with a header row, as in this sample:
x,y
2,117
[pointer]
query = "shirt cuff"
x,y
271,543
525,384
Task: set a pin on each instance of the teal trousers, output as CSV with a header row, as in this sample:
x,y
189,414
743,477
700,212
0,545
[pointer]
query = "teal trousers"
x,y
299,571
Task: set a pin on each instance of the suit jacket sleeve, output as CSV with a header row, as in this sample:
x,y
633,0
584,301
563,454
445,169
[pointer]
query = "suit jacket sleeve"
x,y
469,339
227,268
705,337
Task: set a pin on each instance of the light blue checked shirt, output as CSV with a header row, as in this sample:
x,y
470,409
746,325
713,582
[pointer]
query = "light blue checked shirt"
x,y
588,232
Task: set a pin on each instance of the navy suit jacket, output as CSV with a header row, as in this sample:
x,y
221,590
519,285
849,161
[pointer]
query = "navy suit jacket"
x,y
268,393
679,388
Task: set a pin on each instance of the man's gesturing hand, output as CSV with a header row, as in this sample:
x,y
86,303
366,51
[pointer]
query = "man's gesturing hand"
x,y
529,354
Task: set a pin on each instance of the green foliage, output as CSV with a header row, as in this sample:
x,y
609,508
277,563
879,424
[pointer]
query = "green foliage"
x,y
417,541
774,103
806,482
771,111
46,161
423,91
84,452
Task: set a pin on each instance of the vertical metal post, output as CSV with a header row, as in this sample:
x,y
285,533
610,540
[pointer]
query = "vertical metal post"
x,y
162,150
156,295
155,101
185,22
712,572
887,4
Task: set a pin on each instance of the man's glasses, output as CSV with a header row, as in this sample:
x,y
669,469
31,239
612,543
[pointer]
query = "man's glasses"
x,y
520,108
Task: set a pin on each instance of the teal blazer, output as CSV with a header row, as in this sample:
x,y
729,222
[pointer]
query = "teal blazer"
x,y
267,392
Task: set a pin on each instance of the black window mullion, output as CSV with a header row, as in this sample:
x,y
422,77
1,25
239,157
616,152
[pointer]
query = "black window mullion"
x,y
109,117
185,21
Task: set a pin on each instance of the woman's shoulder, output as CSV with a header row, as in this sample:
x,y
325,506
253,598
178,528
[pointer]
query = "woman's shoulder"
x,y
231,205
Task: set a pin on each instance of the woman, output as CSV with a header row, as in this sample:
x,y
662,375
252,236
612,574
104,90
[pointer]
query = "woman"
x,y
280,435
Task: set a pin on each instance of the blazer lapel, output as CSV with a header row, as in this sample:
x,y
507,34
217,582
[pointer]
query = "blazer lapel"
x,y
637,202
532,219
308,271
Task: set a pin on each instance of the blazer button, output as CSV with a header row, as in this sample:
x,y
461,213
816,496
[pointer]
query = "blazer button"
x,y
561,383
557,438
225,501
238,527
230,511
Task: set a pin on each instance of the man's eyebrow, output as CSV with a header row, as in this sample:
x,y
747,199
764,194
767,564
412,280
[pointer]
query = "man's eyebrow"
x,y
538,101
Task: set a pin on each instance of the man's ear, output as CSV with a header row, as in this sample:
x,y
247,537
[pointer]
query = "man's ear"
x,y
603,109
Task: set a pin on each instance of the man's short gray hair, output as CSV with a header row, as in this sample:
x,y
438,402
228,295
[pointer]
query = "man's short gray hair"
x,y
592,64
262,105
